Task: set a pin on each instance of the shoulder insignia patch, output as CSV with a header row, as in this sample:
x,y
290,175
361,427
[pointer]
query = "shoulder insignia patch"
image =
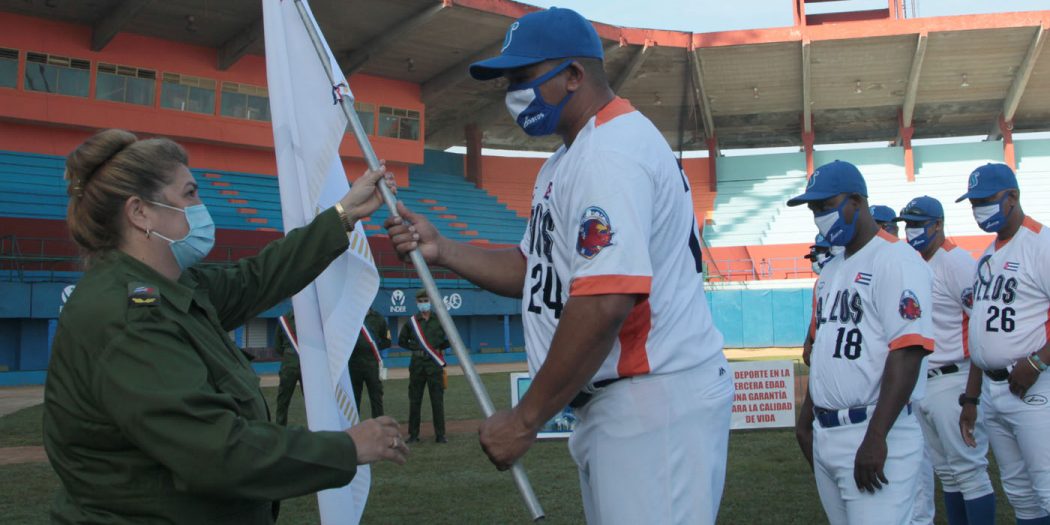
x,y
595,232
967,297
909,307
142,294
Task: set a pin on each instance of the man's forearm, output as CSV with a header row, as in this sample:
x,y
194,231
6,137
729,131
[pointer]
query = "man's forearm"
x,y
973,381
586,332
499,271
898,381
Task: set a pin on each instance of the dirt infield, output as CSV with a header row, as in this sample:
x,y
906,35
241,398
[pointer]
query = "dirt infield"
x,y
16,455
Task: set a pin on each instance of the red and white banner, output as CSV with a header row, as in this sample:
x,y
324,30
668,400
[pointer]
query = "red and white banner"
x,y
372,344
289,332
435,354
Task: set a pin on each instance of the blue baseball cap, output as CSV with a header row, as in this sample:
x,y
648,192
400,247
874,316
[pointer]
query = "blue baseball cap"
x,y
922,209
821,242
882,213
989,180
539,36
830,180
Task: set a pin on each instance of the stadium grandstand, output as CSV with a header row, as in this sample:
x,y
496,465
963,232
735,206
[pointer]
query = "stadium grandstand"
x,y
887,91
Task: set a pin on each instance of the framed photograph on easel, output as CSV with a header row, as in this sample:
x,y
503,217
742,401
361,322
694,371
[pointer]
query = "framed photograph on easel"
x,y
560,426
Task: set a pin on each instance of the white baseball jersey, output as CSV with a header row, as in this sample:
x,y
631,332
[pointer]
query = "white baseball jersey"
x,y
1011,298
612,214
953,270
866,306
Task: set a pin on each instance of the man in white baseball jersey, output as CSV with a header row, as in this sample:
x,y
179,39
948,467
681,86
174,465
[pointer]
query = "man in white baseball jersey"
x,y
609,273
1008,340
871,331
962,466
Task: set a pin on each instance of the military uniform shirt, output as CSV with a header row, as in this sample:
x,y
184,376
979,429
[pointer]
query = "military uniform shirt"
x,y
153,415
432,331
362,355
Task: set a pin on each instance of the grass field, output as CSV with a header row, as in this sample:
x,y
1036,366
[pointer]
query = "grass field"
x,y
767,482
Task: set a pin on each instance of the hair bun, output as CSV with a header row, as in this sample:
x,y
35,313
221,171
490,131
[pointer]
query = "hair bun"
x,y
95,152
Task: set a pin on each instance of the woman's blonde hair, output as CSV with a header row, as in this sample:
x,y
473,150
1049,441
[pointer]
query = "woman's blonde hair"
x,y
103,172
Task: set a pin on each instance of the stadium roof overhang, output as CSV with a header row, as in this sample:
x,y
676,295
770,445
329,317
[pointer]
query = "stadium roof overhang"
x,y
843,80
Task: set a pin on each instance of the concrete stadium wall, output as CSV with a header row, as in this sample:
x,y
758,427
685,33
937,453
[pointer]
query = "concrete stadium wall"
x,y
488,324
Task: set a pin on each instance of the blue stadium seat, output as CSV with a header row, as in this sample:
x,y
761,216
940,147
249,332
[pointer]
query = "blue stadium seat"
x,y
32,186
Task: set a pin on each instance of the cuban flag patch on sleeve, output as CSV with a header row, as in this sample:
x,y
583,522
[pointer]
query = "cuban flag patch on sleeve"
x,y
1012,266
595,233
862,278
909,307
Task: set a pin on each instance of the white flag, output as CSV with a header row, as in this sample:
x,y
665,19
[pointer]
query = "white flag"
x,y
307,129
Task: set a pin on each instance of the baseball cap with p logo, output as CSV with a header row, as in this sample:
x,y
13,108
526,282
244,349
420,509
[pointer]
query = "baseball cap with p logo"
x,y
543,35
989,180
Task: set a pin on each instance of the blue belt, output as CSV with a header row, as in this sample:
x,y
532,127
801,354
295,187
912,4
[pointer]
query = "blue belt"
x,y
829,418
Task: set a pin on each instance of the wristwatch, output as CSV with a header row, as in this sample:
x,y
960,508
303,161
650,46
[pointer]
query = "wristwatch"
x,y
964,400
344,218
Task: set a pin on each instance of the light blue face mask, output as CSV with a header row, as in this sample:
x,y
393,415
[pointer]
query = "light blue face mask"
x,y
423,307
530,111
199,240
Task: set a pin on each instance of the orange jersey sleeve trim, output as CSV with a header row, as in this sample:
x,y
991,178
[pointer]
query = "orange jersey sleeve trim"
x,y
634,359
887,237
1032,224
948,245
966,335
616,107
905,341
611,284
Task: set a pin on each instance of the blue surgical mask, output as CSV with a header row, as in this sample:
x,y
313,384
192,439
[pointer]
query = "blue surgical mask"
x,y
834,228
530,111
423,307
990,217
199,240
918,238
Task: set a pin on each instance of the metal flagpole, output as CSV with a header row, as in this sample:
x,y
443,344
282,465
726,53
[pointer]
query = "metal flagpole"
x,y
520,478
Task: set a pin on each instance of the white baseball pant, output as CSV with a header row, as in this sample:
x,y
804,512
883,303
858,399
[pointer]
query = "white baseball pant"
x,y
834,452
1017,432
924,509
959,467
652,449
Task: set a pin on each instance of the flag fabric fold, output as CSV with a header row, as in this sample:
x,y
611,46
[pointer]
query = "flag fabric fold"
x,y
329,313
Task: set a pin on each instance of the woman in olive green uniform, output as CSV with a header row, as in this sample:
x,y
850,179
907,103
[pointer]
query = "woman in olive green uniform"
x,y
151,413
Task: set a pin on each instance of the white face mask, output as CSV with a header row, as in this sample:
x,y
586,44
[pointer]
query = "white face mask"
x,y
913,233
983,213
825,222
837,250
